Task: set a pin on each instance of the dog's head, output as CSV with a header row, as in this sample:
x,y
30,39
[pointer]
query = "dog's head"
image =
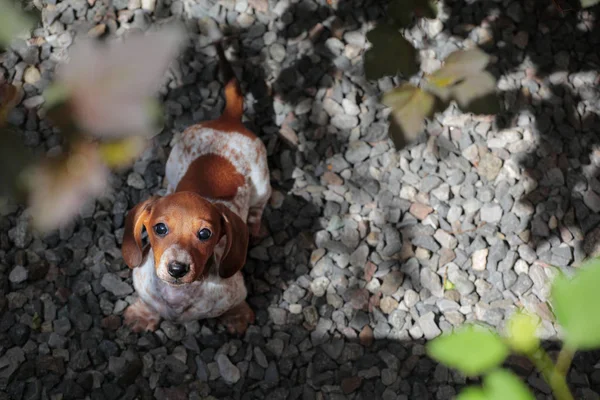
x,y
186,234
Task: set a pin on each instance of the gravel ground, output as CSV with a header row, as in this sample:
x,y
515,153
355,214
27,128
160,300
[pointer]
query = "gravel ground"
x,y
349,285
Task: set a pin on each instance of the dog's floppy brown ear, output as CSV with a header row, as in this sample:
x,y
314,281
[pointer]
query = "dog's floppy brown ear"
x,y
132,237
236,247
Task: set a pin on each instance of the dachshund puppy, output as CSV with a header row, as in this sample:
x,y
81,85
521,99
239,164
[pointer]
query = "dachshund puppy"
x,y
217,188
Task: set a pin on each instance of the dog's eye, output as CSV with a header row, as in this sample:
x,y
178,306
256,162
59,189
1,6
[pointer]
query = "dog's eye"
x,y
204,234
161,229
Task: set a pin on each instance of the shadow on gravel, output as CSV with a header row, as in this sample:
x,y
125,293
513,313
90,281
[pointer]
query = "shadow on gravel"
x,y
551,55
328,349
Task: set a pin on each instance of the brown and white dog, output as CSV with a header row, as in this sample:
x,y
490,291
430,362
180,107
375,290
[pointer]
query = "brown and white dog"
x,y
218,186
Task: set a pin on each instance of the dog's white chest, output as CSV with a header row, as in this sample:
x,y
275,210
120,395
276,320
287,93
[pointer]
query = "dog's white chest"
x,y
209,298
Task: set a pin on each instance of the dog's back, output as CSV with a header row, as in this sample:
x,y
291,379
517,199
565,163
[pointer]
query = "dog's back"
x,y
221,159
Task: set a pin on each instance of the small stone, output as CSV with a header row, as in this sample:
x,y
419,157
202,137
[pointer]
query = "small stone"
x,y
319,286
432,281
388,304
411,298
278,315
149,5
479,259
491,213
115,285
522,285
366,336
428,326
592,200
229,372
277,51
420,211
445,239
357,151
31,75
489,166
351,384
344,122
391,283
18,274
136,181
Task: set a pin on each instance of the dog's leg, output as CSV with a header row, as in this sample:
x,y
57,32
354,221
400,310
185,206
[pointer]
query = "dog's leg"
x,y
257,229
140,317
237,319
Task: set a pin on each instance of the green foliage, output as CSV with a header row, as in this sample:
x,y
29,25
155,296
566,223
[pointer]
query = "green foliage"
x,y
477,352
461,79
498,385
471,350
521,333
575,306
410,106
472,393
12,22
390,53
589,3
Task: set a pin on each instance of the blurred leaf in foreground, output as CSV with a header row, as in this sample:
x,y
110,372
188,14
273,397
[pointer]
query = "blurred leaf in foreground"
x,y
575,306
410,106
458,66
499,384
471,350
402,11
502,384
390,53
120,153
13,22
463,78
472,393
475,94
589,3
521,329
59,187
109,84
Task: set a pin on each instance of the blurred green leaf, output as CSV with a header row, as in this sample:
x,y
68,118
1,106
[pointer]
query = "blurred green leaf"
x,y
389,54
575,304
499,384
458,66
589,3
12,22
410,106
502,384
448,285
55,94
521,329
59,186
471,393
122,152
402,11
476,94
471,350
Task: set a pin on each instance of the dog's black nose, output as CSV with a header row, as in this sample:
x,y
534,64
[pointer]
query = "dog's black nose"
x,y
177,269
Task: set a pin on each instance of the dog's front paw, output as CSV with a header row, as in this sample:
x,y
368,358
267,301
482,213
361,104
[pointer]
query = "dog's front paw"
x,y
238,318
139,317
